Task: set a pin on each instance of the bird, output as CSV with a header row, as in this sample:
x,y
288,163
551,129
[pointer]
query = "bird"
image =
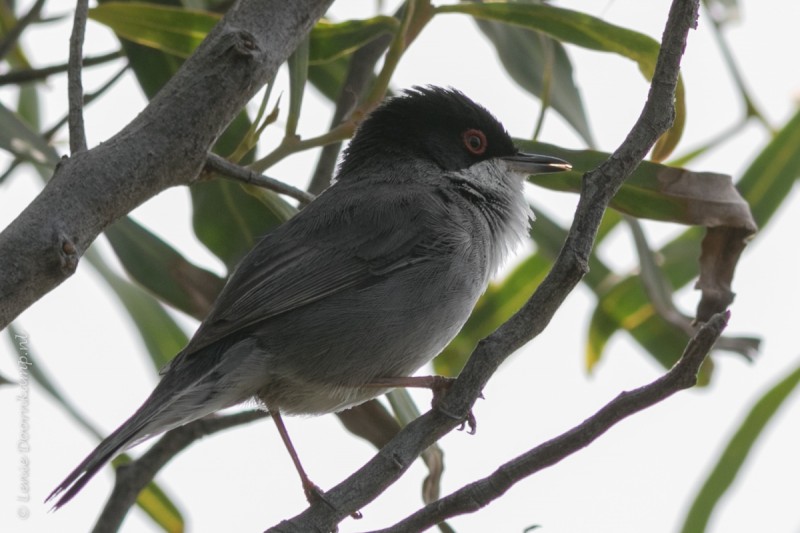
x,y
363,286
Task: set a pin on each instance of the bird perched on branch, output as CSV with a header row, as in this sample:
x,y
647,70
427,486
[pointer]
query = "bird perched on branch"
x,y
361,288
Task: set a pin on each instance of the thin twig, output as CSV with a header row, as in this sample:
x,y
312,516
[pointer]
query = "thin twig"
x,y
11,38
359,73
38,74
133,477
231,170
88,99
599,186
480,493
77,131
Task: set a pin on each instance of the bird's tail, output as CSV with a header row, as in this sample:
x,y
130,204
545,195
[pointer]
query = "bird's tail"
x,y
193,388
105,451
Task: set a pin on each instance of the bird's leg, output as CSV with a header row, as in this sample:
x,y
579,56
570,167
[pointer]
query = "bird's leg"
x,y
312,491
438,385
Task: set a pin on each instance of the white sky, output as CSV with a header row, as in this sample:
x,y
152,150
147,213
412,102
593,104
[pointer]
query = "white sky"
x,y
639,477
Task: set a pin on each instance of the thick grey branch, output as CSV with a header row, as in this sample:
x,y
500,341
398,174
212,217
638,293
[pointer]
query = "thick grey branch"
x,y
599,186
165,145
480,493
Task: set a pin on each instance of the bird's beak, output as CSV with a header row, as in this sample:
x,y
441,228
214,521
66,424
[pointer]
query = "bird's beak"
x,y
535,164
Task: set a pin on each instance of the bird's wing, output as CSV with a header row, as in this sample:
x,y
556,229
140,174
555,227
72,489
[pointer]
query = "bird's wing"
x,y
341,240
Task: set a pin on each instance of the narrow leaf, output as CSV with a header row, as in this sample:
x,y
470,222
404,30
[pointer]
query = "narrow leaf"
x,y
298,74
162,270
155,502
162,336
229,220
152,500
585,31
330,41
601,328
526,55
659,192
770,178
736,453
17,138
176,31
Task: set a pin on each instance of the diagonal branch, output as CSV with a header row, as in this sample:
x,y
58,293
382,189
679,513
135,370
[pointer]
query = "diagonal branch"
x,y
12,36
599,186
480,493
236,172
164,146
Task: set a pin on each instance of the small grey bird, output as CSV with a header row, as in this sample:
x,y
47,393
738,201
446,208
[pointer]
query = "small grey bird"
x,y
361,288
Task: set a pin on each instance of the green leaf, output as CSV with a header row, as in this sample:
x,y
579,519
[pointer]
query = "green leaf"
x,y
176,31
736,453
162,270
770,178
330,41
21,141
764,186
229,220
298,74
601,328
585,31
152,500
162,337
329,77
19,340
526,56
654,191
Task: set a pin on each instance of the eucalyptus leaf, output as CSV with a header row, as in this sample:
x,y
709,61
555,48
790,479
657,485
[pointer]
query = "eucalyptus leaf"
x,y
161,334
174,30
526,56
161,269
589,32
152,500
330,41
230,221
660,192
736,452
19,139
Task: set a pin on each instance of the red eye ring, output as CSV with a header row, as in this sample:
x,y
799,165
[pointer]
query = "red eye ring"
x,y
474,141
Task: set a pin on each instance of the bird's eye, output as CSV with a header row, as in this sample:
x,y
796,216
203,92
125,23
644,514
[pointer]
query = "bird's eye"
x,y
474,141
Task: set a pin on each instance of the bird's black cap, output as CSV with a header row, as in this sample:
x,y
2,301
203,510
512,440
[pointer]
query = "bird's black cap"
x,y
428,123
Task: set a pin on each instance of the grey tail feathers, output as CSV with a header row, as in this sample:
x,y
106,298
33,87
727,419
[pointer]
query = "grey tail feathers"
x,y
192,388
104,452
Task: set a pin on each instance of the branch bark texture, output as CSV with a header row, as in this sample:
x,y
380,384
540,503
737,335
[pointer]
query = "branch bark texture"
x,y
599,186
165,145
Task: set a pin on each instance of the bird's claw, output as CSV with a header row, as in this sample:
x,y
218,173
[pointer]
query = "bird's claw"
x,y
315,494
440,386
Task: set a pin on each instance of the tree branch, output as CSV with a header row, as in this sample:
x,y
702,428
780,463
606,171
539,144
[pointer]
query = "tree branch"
x,y
599,186
10,39
227,169
480,493
360,72
16,77
41,248
133,477
77,131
